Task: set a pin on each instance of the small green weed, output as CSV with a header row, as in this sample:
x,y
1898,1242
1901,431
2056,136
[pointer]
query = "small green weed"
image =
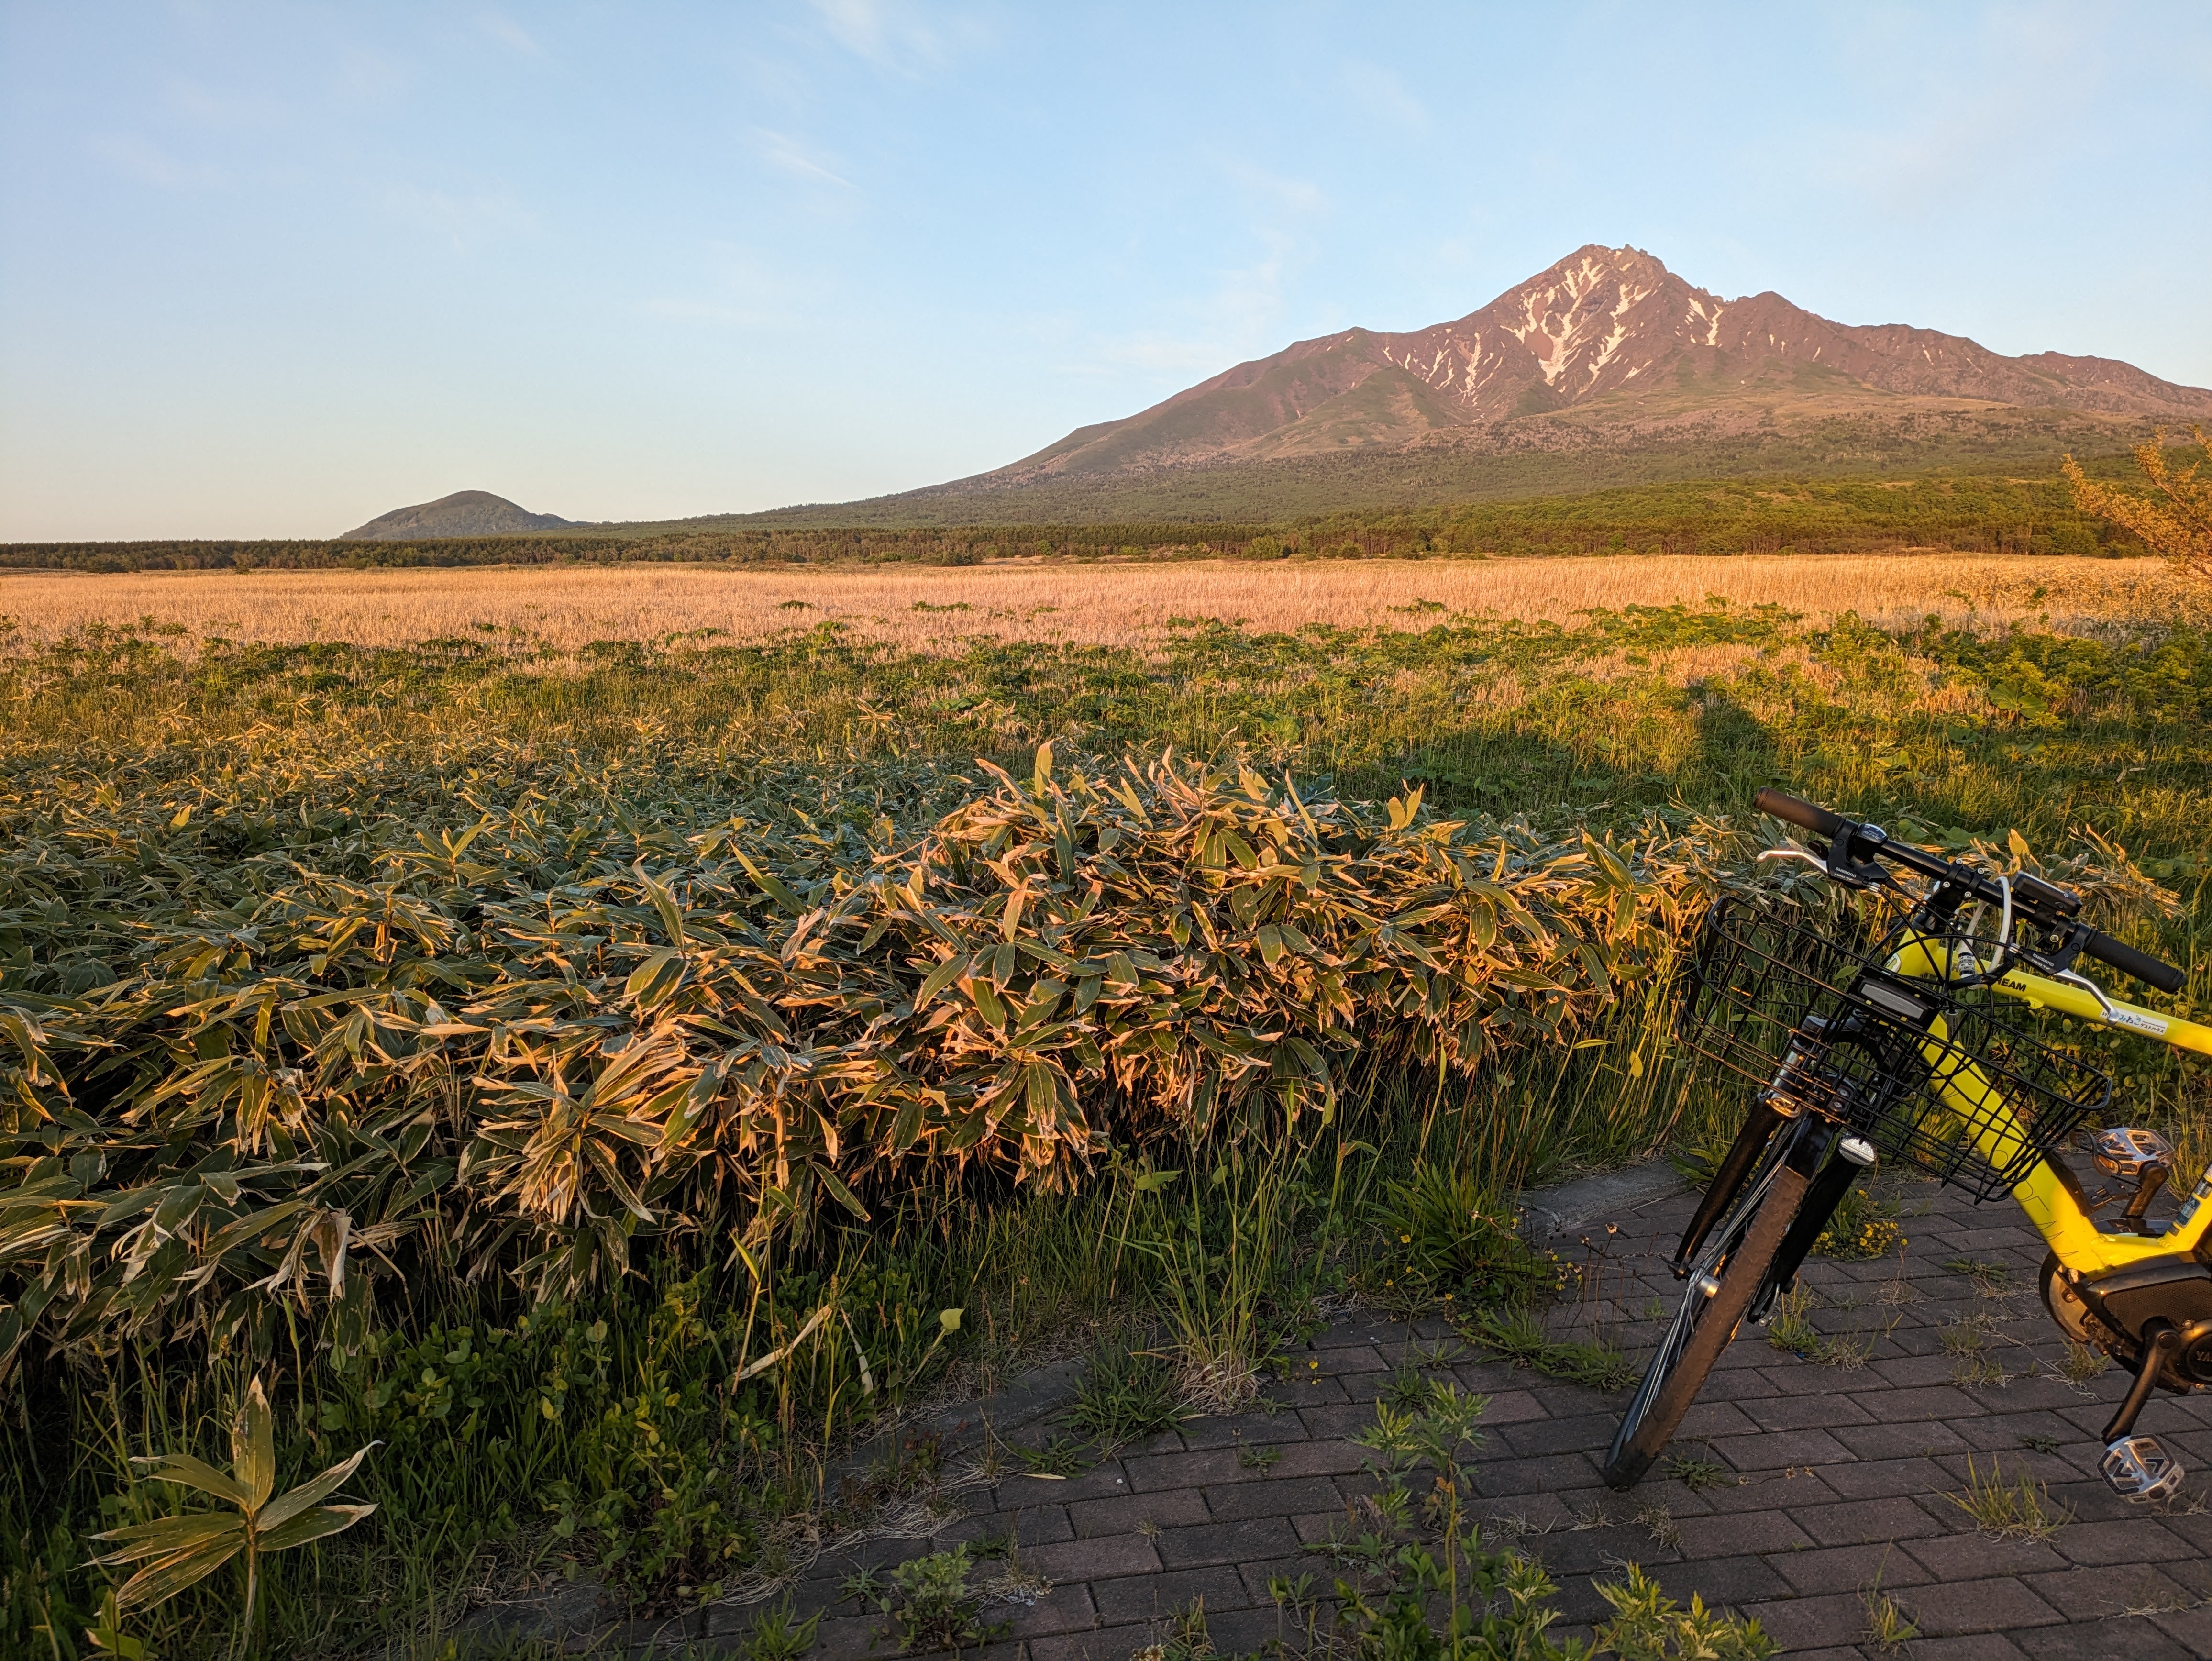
x,y
928,1604
1789,1328
1659,1522
2081,1364
2018,1511
1699,1475
1521,1338
1887,1627
1440,1235
776,1633
1647,1625
1989,1279
1864,1227
1125,1396
1408,1387
1971,1343
1060,1457
1260,1459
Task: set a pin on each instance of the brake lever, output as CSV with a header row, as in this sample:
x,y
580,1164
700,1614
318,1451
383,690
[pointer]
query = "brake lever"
x,y
2075,978
1812,859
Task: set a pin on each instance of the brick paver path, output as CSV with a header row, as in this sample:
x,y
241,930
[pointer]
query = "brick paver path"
x,y
1834,1475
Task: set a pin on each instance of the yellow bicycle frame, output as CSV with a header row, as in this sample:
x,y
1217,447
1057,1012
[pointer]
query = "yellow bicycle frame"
x,y
2048,1198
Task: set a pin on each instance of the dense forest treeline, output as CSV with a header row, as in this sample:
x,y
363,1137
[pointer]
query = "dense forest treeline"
x,y
1978,514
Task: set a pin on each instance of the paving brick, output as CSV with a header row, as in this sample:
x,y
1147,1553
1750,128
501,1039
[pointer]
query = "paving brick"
x,y
1337,1418
1876,1479
2189,1630
1983,1606
1897,1406
1935,1367
1884,1441
1105,1643
1558,1473
1319,1525
1774,1449
1227,1542
1019,1490
1971,1557
1706,1419
1511,1406
1279,1498
1727,1582
1157,1472
1596,1550
1789,1488
2101,1641
1803,1623
1257,1575
1971,1646
1860,1521
1329,1457
1148,1596
1847,1568
1168,1508
1825,1411
2131,1540
1747,1531
2105,1593
1798,1376
1242,1429
1064,1609
1242,1632
1086,1559
1583,1432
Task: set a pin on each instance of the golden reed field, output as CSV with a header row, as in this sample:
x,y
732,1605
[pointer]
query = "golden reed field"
x,y
930,608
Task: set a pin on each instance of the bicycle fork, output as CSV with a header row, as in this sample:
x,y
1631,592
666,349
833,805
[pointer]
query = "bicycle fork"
x,y
1832,1158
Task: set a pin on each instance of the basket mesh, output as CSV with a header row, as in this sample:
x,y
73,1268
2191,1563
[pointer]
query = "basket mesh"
x,y
1935,1076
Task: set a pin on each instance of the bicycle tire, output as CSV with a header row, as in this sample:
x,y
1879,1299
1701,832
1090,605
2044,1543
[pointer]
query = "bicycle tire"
x,y
1704,1327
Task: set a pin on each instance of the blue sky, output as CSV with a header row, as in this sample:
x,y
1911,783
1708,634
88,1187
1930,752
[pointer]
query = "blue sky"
x,y
270,270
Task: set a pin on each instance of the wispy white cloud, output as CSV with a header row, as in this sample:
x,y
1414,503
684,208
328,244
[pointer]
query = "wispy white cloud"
x,y
898,35
470,222
508,33
204,107
738,291
366,75
135,157
798,159
1381,92
1246,311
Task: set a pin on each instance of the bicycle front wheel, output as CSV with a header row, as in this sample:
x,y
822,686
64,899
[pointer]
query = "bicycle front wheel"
x,y
1724,1281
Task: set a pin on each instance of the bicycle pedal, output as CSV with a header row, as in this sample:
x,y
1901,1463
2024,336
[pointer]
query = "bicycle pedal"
x,y
2139,1470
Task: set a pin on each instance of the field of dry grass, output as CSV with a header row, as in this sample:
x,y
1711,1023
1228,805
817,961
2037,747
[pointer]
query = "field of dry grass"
x,y
928,608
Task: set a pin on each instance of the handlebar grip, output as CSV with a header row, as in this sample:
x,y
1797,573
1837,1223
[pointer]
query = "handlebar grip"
x,y
2128,961
1802,814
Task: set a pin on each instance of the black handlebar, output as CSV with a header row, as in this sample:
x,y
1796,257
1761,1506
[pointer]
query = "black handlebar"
x,y
1860,840
2128,961
1802,814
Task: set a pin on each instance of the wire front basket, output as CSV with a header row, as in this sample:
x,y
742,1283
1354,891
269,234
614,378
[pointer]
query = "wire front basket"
x,y
1934,1075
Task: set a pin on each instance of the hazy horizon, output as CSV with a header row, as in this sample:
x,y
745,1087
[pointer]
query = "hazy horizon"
x,y
274,270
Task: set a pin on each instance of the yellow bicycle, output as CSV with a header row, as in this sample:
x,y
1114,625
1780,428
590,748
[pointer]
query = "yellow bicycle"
x,y
1900,1044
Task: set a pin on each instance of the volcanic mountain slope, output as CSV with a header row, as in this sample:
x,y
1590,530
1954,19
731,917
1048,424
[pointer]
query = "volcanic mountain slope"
x,y
463,514
1608,337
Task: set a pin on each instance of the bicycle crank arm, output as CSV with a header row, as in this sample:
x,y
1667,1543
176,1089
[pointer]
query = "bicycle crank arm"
x,y
2160,1340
